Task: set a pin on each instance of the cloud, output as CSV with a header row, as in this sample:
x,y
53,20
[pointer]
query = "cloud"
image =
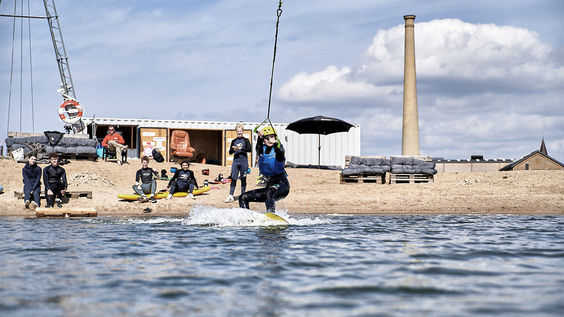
x,y
331,83
447,50
479,85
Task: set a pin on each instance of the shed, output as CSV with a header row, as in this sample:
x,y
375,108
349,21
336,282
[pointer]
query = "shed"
x,y
213,138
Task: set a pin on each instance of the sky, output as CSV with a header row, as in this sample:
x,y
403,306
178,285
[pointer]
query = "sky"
x,y
490,74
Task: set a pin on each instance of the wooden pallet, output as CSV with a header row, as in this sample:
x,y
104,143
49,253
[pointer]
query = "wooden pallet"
x,y
65,212
410,178
69,194
360,179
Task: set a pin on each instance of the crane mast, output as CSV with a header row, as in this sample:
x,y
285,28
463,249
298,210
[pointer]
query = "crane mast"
x,y
70,111
70,107
67,85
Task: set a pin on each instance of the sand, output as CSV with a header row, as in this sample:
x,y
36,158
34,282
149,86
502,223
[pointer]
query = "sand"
x,y
312,192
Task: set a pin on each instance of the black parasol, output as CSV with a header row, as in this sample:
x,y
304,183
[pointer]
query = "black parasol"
x,y
319,125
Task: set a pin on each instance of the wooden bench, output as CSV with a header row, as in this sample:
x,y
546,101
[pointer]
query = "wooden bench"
x,y
71,156
69,194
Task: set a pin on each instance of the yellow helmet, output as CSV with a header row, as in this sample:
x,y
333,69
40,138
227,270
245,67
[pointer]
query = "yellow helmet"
x,y
268,131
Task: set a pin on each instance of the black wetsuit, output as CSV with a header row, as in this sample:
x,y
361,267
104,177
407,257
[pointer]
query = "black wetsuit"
x,y
32,182
272,168
182,181
240,163
55,179
148,182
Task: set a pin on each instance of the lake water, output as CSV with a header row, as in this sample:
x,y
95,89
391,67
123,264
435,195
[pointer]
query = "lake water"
x,y
225,262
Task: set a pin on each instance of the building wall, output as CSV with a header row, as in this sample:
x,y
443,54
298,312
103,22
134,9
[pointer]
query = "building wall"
x,y
304,148
538,162
463,167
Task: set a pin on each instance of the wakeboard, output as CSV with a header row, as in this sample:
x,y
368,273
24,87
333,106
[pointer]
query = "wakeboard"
x,y
161,195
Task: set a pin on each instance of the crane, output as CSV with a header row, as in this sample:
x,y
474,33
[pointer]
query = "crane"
x,y
70,111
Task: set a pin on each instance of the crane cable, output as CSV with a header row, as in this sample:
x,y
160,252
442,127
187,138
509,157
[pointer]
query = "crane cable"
x,y
21,68
11,70
278,14
30,71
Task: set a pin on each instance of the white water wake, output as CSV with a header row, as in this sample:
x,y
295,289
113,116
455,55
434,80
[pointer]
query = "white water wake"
x,y
239,217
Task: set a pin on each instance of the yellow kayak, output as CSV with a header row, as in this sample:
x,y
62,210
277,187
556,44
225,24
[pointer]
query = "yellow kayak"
x,y
196,192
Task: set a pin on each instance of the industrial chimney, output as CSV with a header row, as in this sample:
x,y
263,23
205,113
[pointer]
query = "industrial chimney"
x,y
410,129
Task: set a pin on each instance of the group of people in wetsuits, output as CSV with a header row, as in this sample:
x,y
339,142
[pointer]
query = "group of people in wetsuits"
x,y
146,181
271,161
54,180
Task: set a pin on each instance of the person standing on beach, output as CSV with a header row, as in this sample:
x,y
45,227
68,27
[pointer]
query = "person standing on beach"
x,y
146,181
182,181
55,180
239,148
32,183
114,142
271,160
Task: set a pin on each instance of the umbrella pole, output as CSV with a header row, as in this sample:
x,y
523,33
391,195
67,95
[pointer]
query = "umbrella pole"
x,y
319,151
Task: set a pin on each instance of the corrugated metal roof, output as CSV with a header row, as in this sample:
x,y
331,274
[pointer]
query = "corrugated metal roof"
x,y
179,124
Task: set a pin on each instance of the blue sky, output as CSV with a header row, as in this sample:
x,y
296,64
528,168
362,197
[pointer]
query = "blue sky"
x,y
490,74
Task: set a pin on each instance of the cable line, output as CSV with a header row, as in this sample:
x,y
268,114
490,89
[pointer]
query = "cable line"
x,y
11,70
31,72
278,14
21,67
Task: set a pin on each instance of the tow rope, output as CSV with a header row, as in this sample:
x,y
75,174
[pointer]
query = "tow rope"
x,y
278,14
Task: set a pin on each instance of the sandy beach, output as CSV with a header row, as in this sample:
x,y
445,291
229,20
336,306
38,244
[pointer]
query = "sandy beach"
x,y
312,192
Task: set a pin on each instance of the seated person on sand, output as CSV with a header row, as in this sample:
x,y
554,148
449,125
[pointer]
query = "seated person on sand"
x,y
271,160
146,181
55,181
114,142
182,181
32,183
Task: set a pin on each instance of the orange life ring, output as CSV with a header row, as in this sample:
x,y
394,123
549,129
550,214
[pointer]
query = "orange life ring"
x,y
70,111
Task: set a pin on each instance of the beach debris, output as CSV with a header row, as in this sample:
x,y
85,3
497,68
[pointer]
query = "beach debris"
x,y
88,178
147,210
467,181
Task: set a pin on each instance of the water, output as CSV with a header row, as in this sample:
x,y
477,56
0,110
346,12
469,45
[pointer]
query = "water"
x,y
227,262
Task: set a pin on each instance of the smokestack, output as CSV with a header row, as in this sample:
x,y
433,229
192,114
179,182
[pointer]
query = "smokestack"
x,y
410,130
